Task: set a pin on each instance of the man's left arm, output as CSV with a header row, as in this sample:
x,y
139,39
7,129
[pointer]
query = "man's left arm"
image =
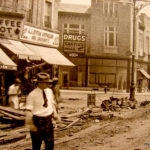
x,y
55,113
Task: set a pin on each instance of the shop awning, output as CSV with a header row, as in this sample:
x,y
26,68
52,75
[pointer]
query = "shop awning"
x,y
20,49
5,62
50,55
144,73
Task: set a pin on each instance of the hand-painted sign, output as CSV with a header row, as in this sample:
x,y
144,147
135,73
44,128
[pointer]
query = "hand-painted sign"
x,y
74,37
10,28
74,44
40,36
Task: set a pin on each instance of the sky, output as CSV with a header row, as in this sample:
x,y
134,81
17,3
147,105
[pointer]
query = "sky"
x,y
88,2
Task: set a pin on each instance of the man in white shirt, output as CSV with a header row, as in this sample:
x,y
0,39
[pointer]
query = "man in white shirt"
x,y
40,106
14,92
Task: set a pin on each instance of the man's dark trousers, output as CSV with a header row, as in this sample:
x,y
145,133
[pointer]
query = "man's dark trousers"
x,y
45,132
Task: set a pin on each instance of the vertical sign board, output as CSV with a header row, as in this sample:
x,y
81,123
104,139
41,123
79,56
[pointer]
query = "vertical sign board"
x,y
74,45
10,27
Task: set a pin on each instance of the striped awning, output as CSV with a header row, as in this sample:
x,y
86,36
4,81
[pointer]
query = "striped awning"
x,y
5,62
50,55
19,49
144,73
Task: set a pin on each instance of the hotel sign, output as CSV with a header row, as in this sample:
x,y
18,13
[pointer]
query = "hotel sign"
x,y
10,28
40,36
74,45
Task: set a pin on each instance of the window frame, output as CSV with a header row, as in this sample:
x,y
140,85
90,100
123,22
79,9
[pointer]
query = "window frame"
x,y
48,22
107,33
67,29
110,9
29,11
141,42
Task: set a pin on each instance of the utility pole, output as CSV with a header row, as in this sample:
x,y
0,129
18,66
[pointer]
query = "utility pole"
x,y
86,72
132,87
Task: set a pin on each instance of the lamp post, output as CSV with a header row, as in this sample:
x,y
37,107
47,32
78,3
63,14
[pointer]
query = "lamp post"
x,y
132,87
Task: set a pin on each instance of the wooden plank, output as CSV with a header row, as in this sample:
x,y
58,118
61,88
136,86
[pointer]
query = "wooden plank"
x,y
1,115
13,116
12,138
12,111
13,135
7,118
4,126
14,131
77,114
71,124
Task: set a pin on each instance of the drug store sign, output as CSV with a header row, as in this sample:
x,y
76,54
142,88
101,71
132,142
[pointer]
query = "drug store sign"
x,y
74,45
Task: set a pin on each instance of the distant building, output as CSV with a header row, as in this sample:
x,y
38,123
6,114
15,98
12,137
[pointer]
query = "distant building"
x,y
74,26
143,52
108,30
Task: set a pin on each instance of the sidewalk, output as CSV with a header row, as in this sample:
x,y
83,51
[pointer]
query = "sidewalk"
x,y
98,92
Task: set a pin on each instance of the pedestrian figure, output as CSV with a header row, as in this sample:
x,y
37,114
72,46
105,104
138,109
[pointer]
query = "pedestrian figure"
x,y
14,93
105,89
56,90
40,110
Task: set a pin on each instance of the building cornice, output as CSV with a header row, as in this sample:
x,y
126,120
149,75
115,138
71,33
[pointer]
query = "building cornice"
x,y
108,57
73,14
12,14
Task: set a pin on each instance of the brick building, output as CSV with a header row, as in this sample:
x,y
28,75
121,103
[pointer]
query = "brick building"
x,y
109,43
29,37
74,22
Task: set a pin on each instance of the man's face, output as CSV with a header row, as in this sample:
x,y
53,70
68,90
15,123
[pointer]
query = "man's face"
x,y
17,84
43,85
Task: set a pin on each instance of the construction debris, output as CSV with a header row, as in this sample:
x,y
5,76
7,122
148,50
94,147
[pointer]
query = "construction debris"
x,y
11,118
114,104
72,122
145,103
14,135
12,111
78,114
79,118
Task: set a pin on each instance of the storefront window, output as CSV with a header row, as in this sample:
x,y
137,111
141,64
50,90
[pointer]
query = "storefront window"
x,y
103,79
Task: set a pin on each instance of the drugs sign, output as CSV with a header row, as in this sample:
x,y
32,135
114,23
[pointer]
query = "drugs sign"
x,y
74,44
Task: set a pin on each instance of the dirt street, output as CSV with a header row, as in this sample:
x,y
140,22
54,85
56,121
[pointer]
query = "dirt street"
x,y
127,129
130,132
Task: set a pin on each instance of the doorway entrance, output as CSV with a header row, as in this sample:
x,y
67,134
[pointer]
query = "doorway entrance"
x,y
65,80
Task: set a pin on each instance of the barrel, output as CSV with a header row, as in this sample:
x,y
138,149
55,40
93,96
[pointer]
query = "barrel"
x,y
91,99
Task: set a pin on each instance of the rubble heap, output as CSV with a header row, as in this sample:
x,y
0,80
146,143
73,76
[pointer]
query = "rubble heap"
x,y
114,104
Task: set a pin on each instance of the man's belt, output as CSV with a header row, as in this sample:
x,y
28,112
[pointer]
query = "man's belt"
x,y
42,121
43,117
